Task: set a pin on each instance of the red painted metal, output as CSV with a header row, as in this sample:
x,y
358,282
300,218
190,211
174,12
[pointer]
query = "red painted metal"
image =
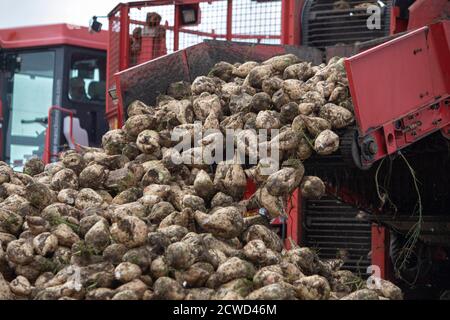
x,y
397,25
250,190
2,126
47,149
293,223
119,115
229,36
294,211
124,37
439,44
401,88
290,28
421,13
52,35
377,80
114,62
425,12
380,252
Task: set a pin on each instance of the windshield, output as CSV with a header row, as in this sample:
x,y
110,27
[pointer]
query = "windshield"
x,y
31,97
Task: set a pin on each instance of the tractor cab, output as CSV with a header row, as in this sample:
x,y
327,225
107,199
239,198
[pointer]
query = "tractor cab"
x,y
52,91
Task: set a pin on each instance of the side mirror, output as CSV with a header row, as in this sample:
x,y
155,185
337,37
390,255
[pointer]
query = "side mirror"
x,y
94,25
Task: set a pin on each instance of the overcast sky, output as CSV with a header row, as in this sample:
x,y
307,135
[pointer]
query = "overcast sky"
x,y
15,13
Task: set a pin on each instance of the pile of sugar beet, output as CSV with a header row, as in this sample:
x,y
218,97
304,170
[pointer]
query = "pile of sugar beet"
x,y
126,222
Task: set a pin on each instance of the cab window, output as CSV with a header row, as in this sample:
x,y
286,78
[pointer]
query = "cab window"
x,y
31,97
87,78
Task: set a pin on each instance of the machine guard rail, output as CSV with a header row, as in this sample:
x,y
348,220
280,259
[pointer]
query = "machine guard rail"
x,y
47,151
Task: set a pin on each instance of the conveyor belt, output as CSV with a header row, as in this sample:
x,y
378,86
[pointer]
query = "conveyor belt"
x,y
333,229
324,26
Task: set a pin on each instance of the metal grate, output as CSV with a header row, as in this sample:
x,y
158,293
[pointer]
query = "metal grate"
x,y
257,22
238,20
333,230
329,22
138,17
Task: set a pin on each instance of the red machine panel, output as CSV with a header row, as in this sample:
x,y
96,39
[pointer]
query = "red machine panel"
x,y
424,12
391,80
401,90
439,44
48,35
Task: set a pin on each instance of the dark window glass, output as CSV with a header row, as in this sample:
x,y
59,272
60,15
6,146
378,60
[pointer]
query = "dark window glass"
x,y
87,78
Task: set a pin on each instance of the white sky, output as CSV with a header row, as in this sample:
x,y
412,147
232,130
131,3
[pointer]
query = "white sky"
x,y
16,13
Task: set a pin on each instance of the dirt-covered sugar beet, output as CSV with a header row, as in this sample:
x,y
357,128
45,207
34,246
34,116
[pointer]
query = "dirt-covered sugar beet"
x,y
140,219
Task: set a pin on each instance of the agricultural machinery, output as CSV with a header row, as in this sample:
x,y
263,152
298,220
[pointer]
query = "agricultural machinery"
x,y
389,181
399,82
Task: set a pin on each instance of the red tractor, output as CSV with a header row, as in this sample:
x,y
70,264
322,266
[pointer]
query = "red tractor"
x,y
52,91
